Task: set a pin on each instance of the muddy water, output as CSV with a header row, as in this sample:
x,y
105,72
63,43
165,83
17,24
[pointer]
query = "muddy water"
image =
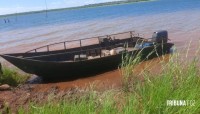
x,y
183,28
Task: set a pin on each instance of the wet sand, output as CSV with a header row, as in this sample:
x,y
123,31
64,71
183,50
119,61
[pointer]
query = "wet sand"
x,y
183,27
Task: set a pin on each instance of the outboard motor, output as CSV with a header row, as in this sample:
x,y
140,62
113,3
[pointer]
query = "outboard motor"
x,y
160,36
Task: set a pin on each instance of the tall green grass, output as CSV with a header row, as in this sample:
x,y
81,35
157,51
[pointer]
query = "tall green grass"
x,y
178,80
12,77
127,67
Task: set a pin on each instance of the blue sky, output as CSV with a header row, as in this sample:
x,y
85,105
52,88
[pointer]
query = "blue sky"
x,y
14,6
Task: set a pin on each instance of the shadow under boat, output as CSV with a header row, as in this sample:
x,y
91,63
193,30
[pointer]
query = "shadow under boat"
x,y
71,63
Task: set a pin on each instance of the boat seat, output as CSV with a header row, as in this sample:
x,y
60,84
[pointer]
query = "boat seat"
x,y
131,49
120,50
80,57
93,57
143,45
105,52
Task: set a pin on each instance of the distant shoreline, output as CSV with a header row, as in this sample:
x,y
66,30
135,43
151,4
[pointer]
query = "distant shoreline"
x,y
79,7
110,3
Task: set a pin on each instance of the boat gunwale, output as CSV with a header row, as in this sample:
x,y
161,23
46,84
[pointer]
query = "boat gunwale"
x,y
64,42
4,55
30,58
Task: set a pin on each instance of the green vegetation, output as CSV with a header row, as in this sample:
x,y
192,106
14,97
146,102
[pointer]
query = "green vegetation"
x,y
178,80
127,67
12,77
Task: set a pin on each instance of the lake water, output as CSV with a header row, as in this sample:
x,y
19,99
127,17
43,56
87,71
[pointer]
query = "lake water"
x,y
180,17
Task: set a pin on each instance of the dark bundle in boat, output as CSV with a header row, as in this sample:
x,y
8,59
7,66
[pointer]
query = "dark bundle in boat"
x,y
104,55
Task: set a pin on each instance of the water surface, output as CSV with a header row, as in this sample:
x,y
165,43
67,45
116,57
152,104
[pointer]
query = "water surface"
x,y
24,32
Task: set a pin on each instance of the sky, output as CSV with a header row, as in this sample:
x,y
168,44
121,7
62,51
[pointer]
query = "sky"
x,y
16,6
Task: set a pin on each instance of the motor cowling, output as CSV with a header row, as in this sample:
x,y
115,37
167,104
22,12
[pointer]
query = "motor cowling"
x,y
160,36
